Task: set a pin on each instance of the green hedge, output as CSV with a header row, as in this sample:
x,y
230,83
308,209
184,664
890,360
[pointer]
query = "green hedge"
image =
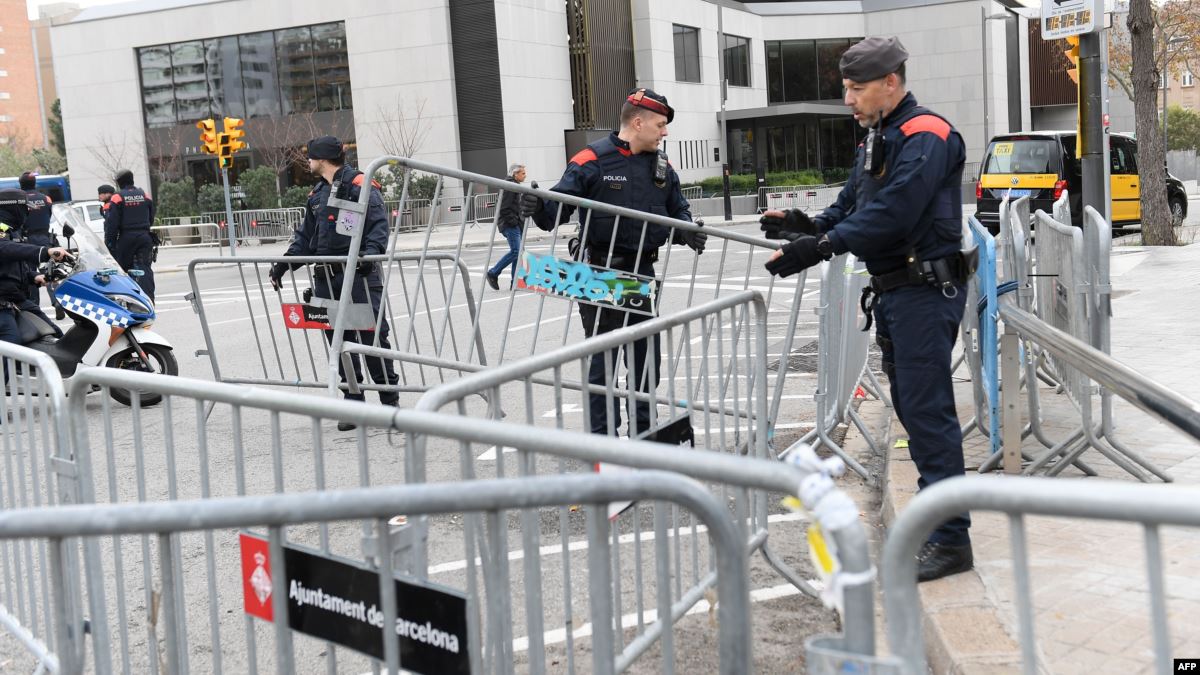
x,y
741,183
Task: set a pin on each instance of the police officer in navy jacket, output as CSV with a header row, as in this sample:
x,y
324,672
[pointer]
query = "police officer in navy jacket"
x,y
37,221
901,214
625,169
127,230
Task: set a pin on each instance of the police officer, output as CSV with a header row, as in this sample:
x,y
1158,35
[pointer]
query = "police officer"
x,y
18,265
37,221
625,169
319,235
127,230
104,193
901,213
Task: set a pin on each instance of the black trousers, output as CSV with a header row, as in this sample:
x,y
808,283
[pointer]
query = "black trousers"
x,y
134,251
381,370
644,376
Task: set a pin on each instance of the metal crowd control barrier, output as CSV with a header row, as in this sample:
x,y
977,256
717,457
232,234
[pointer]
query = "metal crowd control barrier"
x,y
258,441
1151,506
429,308
261,224
806,197
188,235
168,523
842,359
980,338
34,432
518,322
1065,277
694,192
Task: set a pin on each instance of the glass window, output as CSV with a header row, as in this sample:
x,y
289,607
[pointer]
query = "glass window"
x,y
687,53
259,82
1187,78
332,66
829,75
224,77
736,52
158,97
774,72
1030,155
799,71
297,86
189,75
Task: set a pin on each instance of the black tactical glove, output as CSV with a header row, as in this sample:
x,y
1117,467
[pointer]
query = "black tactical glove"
x,y
530,204
798,255
693,240
364,268
276,274
793,224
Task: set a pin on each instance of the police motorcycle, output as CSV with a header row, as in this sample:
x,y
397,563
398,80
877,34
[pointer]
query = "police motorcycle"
x,y
111,314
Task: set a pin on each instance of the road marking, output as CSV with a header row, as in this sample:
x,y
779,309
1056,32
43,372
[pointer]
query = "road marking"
x,y
582,544
649,616
489,455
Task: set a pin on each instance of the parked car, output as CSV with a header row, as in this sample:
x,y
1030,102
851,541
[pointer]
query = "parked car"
x,y
1042,164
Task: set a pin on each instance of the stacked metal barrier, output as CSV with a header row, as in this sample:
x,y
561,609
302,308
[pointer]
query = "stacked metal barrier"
x,y
806,197
260,224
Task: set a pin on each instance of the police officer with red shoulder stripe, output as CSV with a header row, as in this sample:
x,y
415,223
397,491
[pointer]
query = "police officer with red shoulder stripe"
x,y
901,214
37,221
127,230
625,169
319,235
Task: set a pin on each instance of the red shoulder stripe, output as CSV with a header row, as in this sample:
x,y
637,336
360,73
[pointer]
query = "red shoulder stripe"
x,y
358,180
116,199
931,123
583,157
624,151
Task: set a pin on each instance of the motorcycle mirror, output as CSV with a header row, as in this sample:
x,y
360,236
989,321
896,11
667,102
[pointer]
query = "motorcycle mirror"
x,y
68,231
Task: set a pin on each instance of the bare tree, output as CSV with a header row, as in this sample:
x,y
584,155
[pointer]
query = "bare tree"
x,y
399,131
277,144
112,154
166,153
1157,229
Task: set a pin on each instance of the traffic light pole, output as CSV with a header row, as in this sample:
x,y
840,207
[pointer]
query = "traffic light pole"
x,y
230,223
1091,121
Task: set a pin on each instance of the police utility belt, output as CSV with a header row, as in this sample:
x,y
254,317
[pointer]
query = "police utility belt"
x,y
945,274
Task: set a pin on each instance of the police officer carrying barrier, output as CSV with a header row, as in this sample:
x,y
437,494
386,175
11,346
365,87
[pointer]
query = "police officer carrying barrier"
x,y
901,214
18,266
625,169
127,230
323,233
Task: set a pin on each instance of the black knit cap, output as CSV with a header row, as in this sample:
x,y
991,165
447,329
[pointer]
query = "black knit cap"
x,y
873,58
106,188
651,100
325,147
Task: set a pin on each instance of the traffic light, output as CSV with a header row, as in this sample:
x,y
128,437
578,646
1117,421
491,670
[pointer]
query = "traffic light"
x,y
1072,52
224,156
233,128
209,143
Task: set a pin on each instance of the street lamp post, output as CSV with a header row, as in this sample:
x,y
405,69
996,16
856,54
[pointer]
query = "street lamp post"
x,y
987,115
1166,80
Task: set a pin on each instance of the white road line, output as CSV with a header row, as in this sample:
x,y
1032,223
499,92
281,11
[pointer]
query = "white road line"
x,y
582,545
489,455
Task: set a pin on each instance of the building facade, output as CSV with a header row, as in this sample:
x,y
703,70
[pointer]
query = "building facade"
x,y
480,84
21,120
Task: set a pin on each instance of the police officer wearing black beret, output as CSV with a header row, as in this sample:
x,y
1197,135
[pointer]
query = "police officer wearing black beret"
x,y
624,169
18,265
901,214
319,235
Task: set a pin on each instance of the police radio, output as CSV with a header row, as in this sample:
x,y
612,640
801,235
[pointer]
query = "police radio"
x,y
660,169
873,159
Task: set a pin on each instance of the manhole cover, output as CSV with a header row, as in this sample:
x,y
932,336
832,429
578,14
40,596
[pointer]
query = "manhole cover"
x,y
805,359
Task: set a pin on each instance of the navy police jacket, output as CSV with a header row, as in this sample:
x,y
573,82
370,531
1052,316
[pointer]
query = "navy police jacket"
x,y
318,234
130,210
18,263
37,222
607,171
915,203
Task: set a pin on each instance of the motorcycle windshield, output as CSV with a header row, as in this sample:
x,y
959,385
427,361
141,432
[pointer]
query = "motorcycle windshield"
x,y
89,248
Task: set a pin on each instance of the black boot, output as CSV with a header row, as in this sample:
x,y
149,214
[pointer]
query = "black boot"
x,y
939,560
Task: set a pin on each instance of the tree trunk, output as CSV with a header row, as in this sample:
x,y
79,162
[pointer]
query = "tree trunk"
x,y
1157,229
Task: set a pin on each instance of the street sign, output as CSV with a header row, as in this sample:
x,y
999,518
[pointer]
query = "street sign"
x,y
339,601
1063,18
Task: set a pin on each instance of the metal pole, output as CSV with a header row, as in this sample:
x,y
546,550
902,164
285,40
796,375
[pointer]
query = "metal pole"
x,y
229,213
724,131
1091,125
983,19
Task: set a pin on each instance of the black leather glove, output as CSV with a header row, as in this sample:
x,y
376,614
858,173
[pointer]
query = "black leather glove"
x,y
276,274
798,255
793,224
530,204
364,268
693,240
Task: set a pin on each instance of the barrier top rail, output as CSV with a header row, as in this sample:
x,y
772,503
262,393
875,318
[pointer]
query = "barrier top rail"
x,y
1148,395
489,495
1109,500
439,396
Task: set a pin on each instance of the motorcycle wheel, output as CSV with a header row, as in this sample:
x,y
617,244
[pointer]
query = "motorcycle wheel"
x,y
162,362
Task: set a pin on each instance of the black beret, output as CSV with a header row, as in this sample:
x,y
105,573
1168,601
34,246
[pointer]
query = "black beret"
x,y
651,100
324,147
106,188
873,58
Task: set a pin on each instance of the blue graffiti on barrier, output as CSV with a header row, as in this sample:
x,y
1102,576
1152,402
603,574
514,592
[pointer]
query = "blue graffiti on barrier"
x,y
580,281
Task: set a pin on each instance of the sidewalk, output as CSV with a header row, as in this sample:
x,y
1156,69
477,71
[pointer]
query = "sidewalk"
x,y
446,237
1088,578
